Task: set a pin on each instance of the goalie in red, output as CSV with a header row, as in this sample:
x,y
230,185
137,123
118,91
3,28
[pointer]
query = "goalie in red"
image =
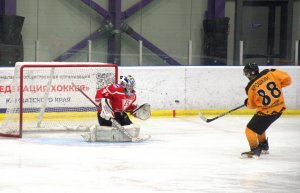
x,y
115,102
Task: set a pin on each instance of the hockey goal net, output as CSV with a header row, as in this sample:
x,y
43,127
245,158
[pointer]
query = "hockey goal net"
x,y
43,96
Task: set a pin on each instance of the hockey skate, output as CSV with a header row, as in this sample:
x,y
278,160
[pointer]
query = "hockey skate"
x,y
264,146
254,153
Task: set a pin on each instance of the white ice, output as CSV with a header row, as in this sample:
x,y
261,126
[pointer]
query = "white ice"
x,y
184,155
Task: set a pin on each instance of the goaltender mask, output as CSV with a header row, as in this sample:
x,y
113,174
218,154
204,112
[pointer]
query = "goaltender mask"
x,y
116,101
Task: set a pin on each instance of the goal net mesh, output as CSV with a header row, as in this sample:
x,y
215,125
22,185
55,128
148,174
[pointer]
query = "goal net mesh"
x,y
43,96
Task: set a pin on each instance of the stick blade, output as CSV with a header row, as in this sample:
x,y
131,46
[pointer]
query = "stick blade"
x,y
202,117
141,139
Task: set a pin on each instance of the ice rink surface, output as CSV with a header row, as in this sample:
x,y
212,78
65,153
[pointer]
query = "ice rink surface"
x,y
184,155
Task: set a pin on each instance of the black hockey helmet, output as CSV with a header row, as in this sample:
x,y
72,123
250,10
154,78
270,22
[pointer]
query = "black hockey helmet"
x,y
251,70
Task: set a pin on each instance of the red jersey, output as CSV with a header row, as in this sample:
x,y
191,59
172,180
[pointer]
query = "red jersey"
x,y
120,102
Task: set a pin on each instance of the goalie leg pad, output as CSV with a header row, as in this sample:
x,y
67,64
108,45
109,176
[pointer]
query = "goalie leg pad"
x,y
111,134
91,135
133,129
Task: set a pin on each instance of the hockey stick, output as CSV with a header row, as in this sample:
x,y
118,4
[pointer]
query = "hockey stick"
x,y
221,115
86,96
116,123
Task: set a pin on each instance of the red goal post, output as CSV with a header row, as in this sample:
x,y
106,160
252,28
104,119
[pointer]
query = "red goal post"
x,y
43,96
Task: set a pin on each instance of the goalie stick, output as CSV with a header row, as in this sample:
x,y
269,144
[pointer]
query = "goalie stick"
x,y
116,123
221,115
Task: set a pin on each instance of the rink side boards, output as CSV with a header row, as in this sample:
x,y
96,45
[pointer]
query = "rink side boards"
x,y
170,113
55,116
196,95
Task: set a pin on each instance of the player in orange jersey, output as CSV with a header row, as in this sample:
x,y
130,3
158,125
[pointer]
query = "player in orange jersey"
x,y
264,92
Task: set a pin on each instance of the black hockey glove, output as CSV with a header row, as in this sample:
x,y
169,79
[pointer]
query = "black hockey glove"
x,y
245,102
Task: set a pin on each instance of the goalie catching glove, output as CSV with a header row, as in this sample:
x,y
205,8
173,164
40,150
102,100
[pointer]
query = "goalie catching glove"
x,y
142,112
106,109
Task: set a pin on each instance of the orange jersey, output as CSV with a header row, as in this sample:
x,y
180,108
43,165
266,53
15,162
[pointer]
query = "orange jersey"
x,y
265,92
